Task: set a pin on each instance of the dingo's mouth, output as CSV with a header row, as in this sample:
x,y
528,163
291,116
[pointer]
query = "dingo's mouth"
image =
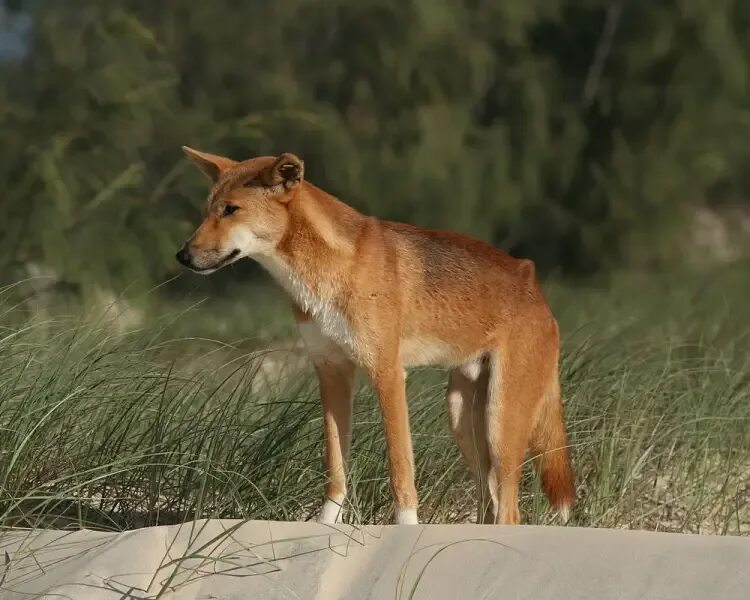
x,y
223,262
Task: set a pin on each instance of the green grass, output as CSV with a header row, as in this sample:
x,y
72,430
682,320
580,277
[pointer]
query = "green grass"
x,y
113,429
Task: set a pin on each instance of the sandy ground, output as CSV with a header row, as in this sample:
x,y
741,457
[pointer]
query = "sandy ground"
x,y
261,559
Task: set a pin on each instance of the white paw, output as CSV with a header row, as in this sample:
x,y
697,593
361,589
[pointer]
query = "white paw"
x,y
406,516
331,512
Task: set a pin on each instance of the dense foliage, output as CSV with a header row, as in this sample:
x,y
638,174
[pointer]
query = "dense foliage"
x,y
581,133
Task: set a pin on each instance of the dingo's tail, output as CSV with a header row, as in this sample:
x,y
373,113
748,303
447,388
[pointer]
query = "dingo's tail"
x,y
549,446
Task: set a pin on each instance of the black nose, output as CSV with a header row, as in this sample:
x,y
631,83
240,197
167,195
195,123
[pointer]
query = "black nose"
x,y
183,257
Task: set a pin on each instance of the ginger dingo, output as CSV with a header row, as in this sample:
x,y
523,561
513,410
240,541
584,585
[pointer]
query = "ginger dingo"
x,y
381,296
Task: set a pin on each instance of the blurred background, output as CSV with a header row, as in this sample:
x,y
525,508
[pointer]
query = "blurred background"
x,y
609,140
589,135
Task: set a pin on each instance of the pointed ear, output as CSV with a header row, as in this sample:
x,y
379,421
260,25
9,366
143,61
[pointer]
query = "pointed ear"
x,y
211,164
287,170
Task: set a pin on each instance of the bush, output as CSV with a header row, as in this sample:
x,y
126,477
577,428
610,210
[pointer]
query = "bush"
x,y
525,123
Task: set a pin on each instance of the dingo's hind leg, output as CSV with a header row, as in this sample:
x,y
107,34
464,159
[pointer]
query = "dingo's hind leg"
x,y
467,401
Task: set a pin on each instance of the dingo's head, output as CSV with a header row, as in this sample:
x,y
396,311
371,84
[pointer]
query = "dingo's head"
x,y
246,212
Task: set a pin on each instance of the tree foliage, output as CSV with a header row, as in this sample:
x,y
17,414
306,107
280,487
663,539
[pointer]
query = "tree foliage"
x,y
577,132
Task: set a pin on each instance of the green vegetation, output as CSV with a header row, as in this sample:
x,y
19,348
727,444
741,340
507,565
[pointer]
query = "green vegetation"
x,y
607,140
111,429
520,122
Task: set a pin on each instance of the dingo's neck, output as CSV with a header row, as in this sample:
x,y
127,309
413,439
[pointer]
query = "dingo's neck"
x,y
312,260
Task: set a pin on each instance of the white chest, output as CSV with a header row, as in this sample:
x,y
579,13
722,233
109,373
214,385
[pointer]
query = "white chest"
x,y
330,320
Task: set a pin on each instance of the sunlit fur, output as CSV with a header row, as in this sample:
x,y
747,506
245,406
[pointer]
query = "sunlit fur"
x,y
380,296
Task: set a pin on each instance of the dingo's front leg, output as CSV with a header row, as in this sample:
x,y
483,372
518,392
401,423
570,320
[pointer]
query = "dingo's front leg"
x,y
336,379
389,383
336,387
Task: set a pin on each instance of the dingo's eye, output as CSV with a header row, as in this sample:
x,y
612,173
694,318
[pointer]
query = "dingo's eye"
x,y
229,209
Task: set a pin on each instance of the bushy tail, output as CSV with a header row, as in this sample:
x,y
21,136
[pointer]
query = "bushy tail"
x,y
549,446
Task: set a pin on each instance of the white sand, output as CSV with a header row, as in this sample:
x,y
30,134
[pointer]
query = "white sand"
x,y
260,559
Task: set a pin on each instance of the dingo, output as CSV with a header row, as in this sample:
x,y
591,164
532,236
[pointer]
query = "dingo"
x,y
382,296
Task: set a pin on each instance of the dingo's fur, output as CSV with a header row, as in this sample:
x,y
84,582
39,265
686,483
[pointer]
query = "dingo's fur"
x,y
382,296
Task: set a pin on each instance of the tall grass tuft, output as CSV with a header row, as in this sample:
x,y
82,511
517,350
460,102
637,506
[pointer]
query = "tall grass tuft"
x,y
110,429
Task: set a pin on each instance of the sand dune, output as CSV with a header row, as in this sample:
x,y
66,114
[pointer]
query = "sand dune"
x,y
261,559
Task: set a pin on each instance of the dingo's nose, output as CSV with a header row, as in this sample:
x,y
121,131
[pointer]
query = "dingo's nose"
x,y
183,257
